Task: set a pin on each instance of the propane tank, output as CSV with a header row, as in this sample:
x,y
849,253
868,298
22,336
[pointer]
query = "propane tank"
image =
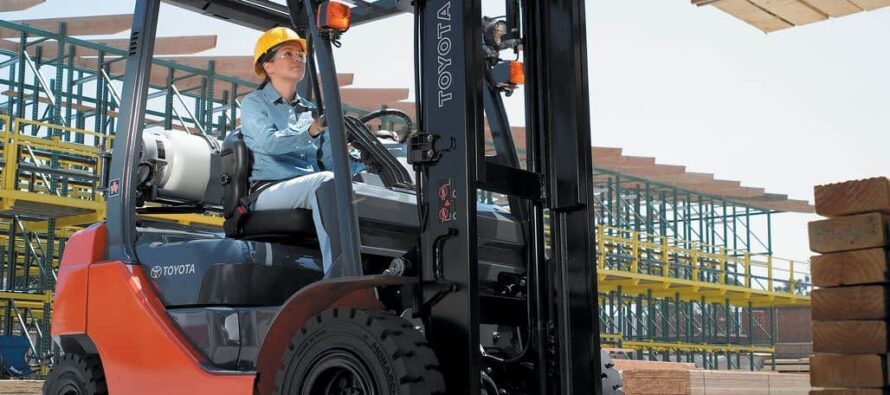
x,y
181,161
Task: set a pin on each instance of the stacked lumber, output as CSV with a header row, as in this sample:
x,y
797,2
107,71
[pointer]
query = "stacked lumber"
x,y
21,387
623,365
772,15
698,381
792,365
850,307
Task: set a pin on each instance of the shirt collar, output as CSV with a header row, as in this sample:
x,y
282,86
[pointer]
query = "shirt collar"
x,y
275,97
272,93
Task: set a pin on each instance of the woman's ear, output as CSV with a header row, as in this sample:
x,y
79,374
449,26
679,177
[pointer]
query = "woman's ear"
x,y
267,66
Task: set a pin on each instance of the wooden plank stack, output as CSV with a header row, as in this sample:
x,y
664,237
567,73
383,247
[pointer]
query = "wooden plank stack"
x,y
791,365
706,382
850,307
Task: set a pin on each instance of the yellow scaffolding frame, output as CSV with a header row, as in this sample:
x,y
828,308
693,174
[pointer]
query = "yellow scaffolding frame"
x,y
693,270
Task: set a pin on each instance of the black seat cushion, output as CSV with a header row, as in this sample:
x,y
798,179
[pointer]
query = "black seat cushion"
x,y
280,225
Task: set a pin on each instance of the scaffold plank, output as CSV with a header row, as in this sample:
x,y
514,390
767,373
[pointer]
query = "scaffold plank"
x,y
850,337
772,15
78,25
683,382
853,197
849,303
859,267
18,5
835,8
756,16
179,45
848,391
855,371
792,11
849,233
869,5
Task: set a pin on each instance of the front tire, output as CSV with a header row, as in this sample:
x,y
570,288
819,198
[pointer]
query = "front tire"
x,y
356,352
76,375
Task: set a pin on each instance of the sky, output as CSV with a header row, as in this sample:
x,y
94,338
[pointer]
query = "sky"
x,y
687,85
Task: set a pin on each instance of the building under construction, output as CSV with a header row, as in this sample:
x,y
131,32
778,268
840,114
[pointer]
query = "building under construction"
x,y
685,261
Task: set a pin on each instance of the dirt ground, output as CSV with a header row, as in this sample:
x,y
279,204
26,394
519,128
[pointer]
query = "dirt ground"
x,y
20,387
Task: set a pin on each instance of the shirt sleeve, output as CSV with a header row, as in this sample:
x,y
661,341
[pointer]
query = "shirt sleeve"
x,y
261,134
326,157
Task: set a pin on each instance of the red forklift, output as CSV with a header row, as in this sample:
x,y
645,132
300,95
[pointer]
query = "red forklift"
x,y
431,292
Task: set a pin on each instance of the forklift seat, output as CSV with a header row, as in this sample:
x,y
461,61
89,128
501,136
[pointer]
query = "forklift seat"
x,y
243,223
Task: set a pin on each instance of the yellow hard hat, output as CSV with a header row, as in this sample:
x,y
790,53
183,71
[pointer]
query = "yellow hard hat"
x,y
270,39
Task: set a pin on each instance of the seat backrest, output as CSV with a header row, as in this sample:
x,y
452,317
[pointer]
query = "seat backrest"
x,y
235,177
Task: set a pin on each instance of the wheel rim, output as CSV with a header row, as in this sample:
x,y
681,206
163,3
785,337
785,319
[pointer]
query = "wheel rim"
x,y
338,372
69,389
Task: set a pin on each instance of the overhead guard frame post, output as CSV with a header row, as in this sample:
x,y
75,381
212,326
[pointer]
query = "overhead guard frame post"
x,y
121,207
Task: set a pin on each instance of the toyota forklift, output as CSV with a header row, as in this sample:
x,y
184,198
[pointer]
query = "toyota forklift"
x,y
431,292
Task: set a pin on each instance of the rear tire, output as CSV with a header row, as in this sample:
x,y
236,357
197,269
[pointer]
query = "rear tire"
x,y
76,375
356,352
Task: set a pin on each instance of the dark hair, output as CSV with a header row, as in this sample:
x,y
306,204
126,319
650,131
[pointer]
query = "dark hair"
x,y
266,57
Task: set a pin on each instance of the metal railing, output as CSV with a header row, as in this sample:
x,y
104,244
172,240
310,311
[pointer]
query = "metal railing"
x,y
644,253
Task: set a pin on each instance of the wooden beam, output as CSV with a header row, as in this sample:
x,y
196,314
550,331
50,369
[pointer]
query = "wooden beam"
x,y
78,25
739,192
869,5
855,371
853,197
786,205
18,5
849,233
868,266
183,45
754,15
850,337
604,152
792,11
835,8
646,171
848,391
688,178
222,64
849,303
612,161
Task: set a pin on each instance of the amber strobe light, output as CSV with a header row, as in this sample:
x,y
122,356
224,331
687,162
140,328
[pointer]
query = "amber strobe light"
x,y
517,75
333,15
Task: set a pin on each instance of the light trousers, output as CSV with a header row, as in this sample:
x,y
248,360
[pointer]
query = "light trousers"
x,y
300,193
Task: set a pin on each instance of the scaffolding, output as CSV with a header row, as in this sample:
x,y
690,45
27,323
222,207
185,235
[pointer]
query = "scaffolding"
x,y
682,274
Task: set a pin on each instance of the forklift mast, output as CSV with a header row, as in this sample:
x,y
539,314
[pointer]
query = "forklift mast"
x,y
454,94
557,180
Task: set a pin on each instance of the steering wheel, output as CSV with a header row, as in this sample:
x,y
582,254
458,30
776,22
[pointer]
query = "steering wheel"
x,y
391,112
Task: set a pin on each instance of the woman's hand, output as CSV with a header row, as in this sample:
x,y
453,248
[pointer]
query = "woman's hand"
x,y
316,127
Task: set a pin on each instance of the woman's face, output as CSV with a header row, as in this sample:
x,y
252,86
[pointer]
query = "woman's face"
x,y
287,64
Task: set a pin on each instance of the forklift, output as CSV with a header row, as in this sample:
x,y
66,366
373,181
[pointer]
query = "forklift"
x,y
431,292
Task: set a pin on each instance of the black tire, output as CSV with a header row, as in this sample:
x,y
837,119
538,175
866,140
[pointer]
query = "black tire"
x,y
76,375
368,352
611,377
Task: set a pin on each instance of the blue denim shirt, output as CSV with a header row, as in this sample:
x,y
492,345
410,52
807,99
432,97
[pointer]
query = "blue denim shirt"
x,y
277,135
